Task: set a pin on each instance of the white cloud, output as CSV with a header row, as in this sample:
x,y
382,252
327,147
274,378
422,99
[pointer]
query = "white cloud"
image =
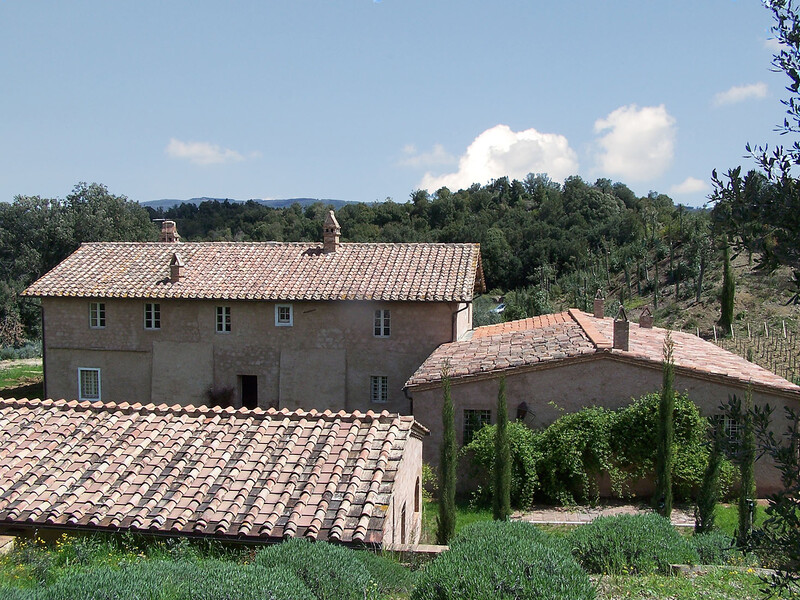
x,y
638,143
201,153
690,185
740,93
437,156
773,44
499,151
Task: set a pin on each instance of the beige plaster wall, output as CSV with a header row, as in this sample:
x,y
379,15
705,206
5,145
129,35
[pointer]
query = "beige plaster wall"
x,y
324,360
408,493
599,381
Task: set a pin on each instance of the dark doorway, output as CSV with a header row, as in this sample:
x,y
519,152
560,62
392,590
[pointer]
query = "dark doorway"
x,y
248,384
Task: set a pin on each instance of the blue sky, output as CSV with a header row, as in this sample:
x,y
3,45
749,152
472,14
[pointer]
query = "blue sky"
x,y
364,100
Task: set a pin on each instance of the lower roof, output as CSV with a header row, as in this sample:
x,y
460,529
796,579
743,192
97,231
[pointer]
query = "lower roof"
x,y
552,340
250,475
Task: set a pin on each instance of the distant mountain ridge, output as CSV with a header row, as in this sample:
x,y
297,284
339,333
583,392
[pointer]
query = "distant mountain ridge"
x,y
275,203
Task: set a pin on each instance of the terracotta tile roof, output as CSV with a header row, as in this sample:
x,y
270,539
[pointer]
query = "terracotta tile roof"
x,y
246,474
506,346
551,338
268,271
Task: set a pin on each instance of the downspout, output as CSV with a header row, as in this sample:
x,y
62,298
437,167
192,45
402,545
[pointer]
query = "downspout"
x,y
453,326
44,357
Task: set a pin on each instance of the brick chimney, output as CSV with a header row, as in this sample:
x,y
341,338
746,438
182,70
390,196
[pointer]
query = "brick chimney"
x,y
330,233
175,268
646,318
169,233
622,330
599,305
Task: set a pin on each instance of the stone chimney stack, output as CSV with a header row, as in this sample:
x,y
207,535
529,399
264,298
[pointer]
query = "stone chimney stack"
x,y
622,330
646,318
175,268
599,305
330,233
169,233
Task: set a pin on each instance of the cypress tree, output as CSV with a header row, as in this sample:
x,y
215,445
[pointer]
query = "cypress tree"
x,y
747,459
662,499
501,499
707,497
446,522
728,291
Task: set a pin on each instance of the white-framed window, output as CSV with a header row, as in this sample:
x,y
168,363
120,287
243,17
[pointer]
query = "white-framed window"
x,y
733,431
379,389
382,323
97,315
152,315
284,315
474,420
88,384
223,319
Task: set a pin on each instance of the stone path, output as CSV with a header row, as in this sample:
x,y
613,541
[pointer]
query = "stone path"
x,y
579,515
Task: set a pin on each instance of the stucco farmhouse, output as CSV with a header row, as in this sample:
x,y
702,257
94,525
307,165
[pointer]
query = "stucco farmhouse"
x,y
337,326
566,361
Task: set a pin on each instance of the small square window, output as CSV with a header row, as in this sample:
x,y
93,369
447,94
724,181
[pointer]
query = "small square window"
x,y
284,316
223,319
97,315
381,323
152,316
474,420
379,389
89,384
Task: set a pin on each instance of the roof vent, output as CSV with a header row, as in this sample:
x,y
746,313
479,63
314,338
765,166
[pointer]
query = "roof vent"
x,y
175,268
599,305
169,232
622,330
330,233
646,318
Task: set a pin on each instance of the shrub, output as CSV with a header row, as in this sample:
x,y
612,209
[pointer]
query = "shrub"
x,y
503,560
646,543
330,572
574,450
524,456
713,547
391,578
27,350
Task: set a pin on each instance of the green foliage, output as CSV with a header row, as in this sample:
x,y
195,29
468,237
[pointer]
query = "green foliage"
x,y
645,543
713,547
331,572
501,497
708,496
503,560
524,458
446,523
574,450
665,451
728,292
562,462
391,578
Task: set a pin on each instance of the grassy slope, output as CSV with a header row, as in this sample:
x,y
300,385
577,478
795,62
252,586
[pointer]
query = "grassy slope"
x,y
21,379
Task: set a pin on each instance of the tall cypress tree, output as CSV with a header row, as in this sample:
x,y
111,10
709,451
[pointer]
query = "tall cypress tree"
x,y
446,522
728,291
707,497
662,499
501,499
747,459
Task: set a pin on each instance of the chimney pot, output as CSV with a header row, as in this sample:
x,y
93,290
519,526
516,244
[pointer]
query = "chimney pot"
x,y
622,330
175,268
599,305
169,232
330,233
646,318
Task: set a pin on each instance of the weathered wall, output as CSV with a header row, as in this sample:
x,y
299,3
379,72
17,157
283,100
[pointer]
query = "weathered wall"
x,y
598,381
324,360
408,493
